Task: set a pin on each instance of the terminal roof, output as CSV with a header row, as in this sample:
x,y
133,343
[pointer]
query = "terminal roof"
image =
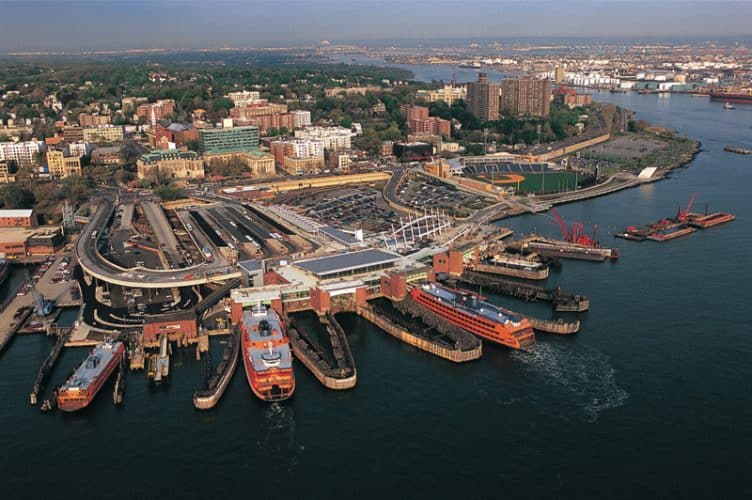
x,y
333,264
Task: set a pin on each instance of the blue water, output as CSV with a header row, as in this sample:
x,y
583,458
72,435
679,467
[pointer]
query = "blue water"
x,y
647,401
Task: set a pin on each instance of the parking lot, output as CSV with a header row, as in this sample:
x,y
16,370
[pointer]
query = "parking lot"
x,y
349,208
425,194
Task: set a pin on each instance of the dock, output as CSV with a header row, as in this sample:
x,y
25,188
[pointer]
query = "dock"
x,y
415,325
559,326
333,367
561,300
216,383
46,368
517,268
118,391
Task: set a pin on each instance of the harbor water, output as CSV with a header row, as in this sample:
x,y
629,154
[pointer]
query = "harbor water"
x,y
648,400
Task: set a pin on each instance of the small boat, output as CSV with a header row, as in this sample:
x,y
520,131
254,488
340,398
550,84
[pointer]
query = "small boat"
x,y
739,151
728,105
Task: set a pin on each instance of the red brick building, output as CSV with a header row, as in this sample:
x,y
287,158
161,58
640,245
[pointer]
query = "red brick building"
x,y
177,326
18,218
418,121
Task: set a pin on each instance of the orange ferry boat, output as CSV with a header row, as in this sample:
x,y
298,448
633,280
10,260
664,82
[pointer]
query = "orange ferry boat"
x,y
468,311
267,357
81,388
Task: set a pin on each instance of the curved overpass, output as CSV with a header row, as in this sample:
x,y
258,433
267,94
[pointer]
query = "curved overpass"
x,y
92,262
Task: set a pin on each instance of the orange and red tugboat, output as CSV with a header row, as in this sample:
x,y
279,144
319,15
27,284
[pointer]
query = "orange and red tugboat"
x,y
84,384
266,354
468,311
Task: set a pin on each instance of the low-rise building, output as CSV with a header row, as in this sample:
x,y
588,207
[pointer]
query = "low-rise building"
x,y
60,166
259,164
93,120
7,171
106,155
163,108
170,164
79,149
243,98
18,218
333,138
448,94
296,148
301,118
102,133
302,166
23,153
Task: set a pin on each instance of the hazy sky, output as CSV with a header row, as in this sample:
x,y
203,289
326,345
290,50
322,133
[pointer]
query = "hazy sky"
x,y
103,24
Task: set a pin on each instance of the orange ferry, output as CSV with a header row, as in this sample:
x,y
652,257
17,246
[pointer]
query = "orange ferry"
x,y
81,388
267,357
468,311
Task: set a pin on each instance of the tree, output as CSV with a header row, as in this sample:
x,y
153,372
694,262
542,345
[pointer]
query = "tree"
x,y
12,197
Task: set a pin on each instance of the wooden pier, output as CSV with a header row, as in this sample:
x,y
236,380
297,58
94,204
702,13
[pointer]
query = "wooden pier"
x,y
46,368
216,384
408,324
561,300
336,369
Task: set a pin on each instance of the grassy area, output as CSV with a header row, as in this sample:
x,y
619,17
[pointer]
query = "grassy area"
x,y
551,182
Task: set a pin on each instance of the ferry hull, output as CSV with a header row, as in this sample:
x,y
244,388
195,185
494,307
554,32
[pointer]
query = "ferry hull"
x,y
516,337
68,402
275,385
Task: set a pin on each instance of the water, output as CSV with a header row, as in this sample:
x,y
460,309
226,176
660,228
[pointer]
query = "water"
x,y
648,400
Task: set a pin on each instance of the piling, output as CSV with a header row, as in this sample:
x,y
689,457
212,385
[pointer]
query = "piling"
x,y
46,368
413,324
217,382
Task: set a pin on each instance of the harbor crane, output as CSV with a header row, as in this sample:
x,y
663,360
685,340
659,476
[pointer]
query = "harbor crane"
x,y
577,234
682,215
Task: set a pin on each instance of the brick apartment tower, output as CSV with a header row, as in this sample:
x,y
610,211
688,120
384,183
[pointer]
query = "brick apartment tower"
x,y
483,98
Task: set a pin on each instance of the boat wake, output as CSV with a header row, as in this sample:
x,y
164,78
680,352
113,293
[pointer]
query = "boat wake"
x,y
585,374
278,439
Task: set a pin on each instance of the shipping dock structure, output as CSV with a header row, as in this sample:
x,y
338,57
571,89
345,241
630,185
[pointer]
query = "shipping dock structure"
x,y
686,222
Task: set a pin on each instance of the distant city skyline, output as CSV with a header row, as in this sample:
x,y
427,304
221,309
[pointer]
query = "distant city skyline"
x,y
117,24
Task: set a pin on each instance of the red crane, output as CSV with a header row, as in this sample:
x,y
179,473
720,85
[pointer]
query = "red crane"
x,y
561,224
682,216
577,235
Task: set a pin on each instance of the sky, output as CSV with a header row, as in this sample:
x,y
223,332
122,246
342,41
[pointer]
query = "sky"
x,y
33,25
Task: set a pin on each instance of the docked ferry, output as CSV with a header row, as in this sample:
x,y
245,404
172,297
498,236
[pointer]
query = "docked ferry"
x,y
267,357
468,311
86,381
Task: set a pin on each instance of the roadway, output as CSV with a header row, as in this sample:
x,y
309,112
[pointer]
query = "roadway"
x,y
92,262
162,230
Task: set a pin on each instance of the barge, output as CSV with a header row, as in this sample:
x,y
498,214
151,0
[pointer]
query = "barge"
x,y
514,266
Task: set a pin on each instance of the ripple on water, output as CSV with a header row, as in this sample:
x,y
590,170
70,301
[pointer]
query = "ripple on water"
x,y
278,439
586,375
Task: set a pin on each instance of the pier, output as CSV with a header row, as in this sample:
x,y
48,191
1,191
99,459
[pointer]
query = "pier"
x,y
46,368
407,321
559,326
118,391
561,300
334,367
217,382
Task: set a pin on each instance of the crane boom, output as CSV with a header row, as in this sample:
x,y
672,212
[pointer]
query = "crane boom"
x,y
561,224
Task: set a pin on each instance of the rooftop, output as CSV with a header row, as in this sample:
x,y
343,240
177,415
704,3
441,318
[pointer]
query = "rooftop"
x,y
21,212
333,264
